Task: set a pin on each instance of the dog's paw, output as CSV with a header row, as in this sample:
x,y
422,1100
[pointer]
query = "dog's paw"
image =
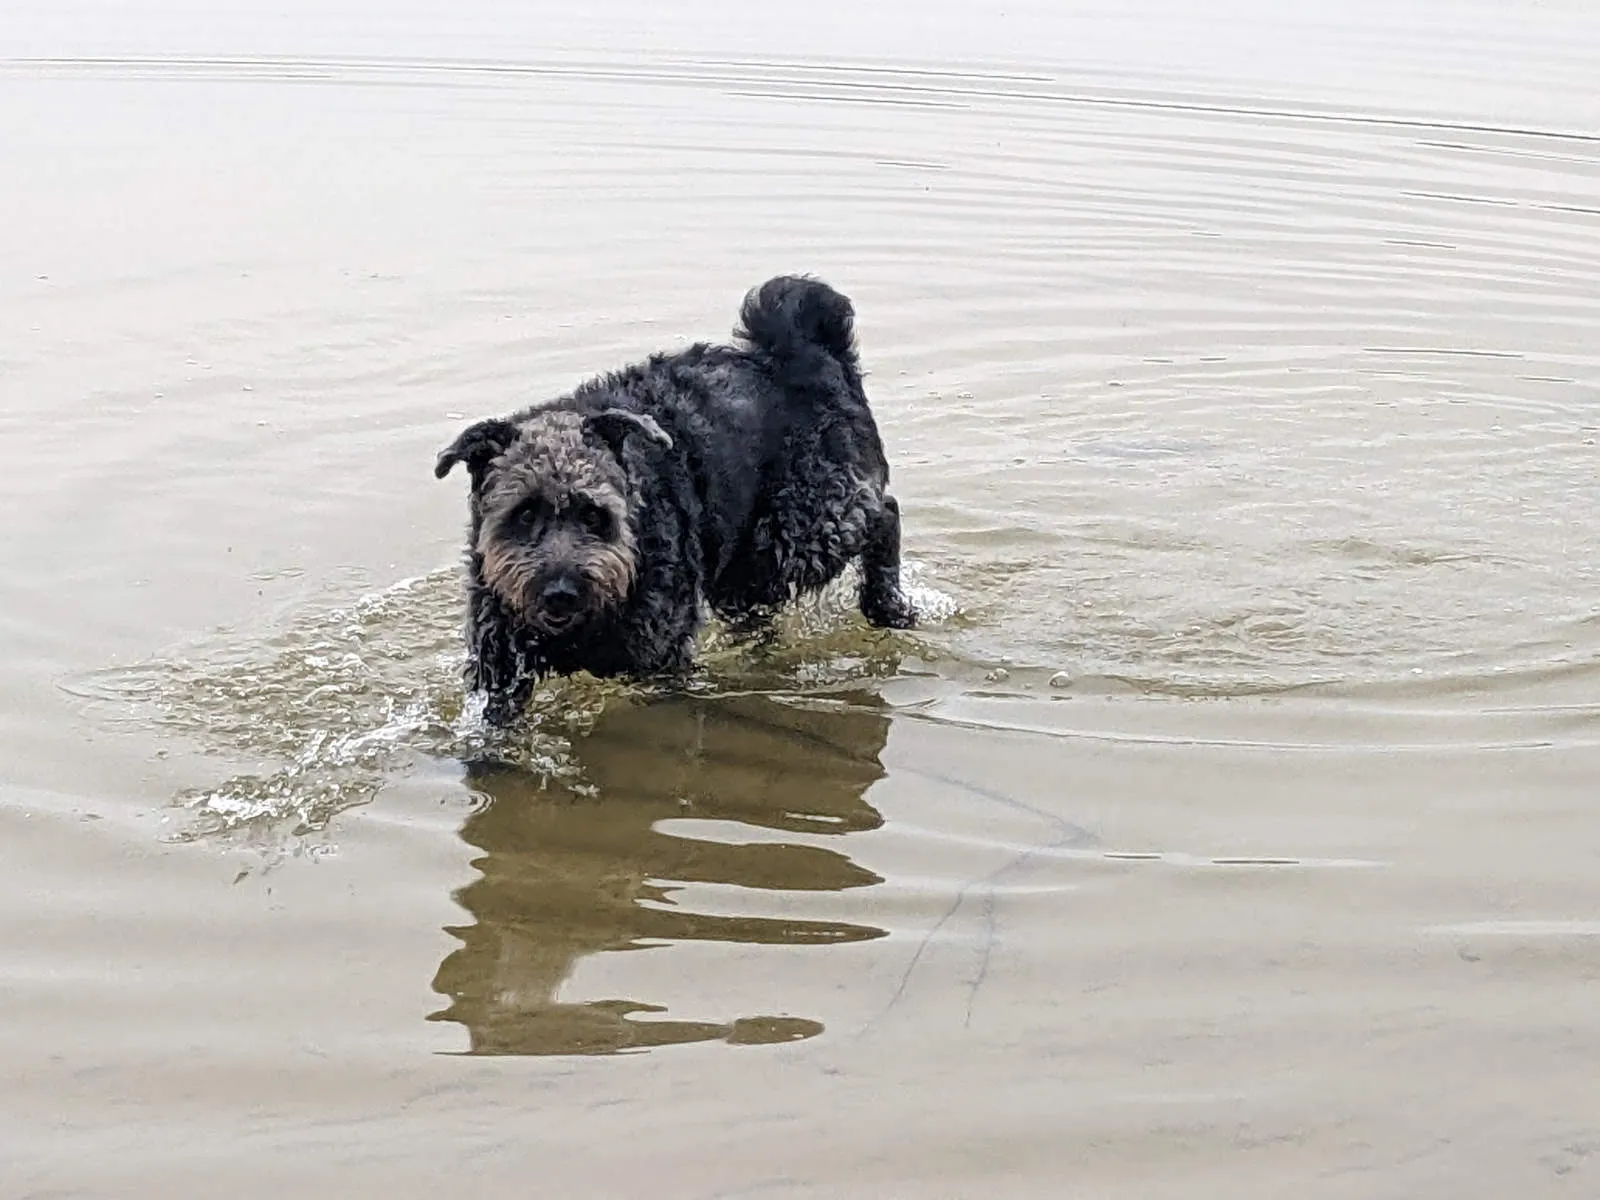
x,y
499,709
889,612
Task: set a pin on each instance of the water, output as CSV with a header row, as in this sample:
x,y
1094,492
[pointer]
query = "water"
x,y
1225,828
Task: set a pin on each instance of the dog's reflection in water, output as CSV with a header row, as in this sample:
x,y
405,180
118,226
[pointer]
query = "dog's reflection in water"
x,y
565,875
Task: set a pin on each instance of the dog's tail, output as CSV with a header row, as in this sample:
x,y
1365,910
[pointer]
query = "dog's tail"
x,y
791,317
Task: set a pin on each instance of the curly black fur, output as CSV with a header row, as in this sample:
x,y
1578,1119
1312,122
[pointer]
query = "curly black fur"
x,y
604,522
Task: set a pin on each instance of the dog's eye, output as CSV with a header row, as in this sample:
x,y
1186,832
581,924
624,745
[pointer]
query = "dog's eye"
x,y
529,516
598,522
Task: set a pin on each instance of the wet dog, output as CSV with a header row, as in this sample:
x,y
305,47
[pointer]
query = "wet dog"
x,y
731,478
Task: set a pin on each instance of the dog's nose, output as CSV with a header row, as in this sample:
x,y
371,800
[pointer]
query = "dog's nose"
x,y
560,597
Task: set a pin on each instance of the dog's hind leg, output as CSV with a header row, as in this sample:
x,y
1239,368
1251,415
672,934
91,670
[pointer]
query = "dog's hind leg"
x,y
882,601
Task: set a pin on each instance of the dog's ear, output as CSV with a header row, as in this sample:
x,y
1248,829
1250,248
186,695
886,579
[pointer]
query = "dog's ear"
x,y
477,446
615,426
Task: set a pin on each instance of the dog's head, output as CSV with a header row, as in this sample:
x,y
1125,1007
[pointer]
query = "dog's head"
x,y
553,512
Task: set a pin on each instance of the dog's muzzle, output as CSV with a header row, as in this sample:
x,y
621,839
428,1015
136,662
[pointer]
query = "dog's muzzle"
x,y
559,604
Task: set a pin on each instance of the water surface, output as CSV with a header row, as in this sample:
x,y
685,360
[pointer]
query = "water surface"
x,y
1226,828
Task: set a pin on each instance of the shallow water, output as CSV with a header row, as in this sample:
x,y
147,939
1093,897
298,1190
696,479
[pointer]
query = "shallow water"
x,y
1227,829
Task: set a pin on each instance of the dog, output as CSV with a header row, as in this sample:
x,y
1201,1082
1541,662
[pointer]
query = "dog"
x,y
733,478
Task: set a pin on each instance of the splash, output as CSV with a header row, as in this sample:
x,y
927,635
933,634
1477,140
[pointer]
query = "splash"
x,y
348,697
335,704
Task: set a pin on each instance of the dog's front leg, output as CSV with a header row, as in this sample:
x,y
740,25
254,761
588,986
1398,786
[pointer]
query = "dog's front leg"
x,y
498,664
882,601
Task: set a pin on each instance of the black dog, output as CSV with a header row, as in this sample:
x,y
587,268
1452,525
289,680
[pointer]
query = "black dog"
x,y
734,477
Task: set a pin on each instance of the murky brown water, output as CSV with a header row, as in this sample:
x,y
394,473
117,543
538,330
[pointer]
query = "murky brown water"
x,y
1231,828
